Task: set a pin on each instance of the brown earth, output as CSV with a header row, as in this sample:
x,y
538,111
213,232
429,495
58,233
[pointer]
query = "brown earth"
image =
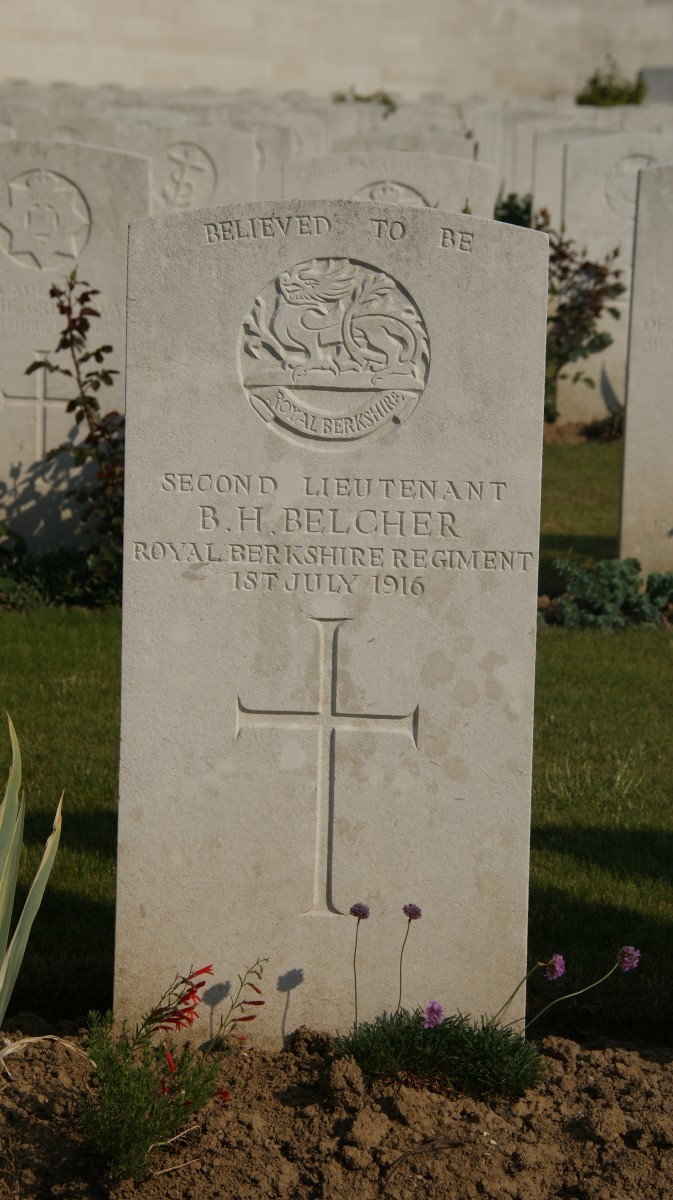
x,y
302,1125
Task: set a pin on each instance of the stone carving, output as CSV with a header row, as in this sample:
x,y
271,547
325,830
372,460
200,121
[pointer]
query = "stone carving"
x,y
622,181
184,176
333,349
46,222
389,192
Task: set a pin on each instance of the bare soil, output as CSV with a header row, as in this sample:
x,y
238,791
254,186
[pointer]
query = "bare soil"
x,y
301,1125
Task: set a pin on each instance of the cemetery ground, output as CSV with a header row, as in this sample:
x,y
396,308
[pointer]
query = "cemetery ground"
x,y
298,1124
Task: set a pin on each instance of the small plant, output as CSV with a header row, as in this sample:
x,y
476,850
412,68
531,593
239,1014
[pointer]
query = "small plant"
x,y
611,596
99,491
147,1090
352,96
477,1058
484,1058
413,913
514,209
11,834
360,911
580,292
607,87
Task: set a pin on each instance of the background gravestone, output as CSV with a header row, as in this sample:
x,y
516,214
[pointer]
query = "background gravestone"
x,y
599,209
389,177
647,488
332,507
62,208
193,166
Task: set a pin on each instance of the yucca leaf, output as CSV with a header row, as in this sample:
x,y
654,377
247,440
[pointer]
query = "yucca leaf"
x,y
12,960
8,877
10,806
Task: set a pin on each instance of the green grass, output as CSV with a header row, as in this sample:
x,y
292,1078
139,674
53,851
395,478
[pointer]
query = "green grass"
x,y
59,679
580,506
602,834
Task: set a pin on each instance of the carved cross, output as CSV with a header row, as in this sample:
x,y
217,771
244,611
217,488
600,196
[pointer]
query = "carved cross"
x,y
38,402
327,721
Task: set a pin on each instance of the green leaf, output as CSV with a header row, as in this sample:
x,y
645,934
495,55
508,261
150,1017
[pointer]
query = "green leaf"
x,y
13,958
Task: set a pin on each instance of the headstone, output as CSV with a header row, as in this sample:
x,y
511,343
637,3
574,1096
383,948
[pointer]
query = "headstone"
x,y
62,208
659,82
193,167
455,145
390,177
332,503
647,487
599,206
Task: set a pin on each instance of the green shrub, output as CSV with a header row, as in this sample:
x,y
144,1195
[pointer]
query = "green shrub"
x,y
607,87
53,578
482,1059
611,596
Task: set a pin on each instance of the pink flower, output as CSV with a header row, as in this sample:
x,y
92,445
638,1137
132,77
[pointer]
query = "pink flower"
x,y
433,1014
628,958
555,968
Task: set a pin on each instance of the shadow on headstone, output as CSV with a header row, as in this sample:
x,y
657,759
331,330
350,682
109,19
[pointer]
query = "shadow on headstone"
x,y
34,503
287,983
213,996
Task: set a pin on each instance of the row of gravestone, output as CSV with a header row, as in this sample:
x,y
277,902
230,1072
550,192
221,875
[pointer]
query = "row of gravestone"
x,y
77,164
331,545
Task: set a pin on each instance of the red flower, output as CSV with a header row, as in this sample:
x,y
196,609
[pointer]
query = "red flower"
x,y
223,1094
246,1002
250,1017
169,1059
255,988
201,971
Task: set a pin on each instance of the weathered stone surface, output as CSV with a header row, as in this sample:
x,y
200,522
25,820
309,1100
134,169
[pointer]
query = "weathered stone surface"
x,y
332,505
647,488
62,208
389,177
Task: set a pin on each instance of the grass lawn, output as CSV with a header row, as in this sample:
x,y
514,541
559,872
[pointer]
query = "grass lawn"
x,y
602,835
580,506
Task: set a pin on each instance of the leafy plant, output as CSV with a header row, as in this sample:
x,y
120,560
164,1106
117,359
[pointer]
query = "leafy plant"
x,y
611,596
580,292
11,833
57,577
147,1090
514,209
607,87
99,491
477,1058
352,96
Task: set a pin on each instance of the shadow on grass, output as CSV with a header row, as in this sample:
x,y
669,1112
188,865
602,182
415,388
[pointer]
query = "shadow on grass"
x,y
645,852
588,550
92,830
635,1006
69,961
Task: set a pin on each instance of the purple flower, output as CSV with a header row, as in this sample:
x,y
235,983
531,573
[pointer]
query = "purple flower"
x,y
360,911
555,968
412,911
433,1013
628,958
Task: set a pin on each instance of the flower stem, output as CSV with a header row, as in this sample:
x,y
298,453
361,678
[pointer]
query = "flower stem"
x,y
569,996
399,1000
355,973
507,1003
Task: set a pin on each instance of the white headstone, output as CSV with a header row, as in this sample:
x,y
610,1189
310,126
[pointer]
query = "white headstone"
x,y
332,509
599,208
62,208
396,177
454,145
194,166
647,489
